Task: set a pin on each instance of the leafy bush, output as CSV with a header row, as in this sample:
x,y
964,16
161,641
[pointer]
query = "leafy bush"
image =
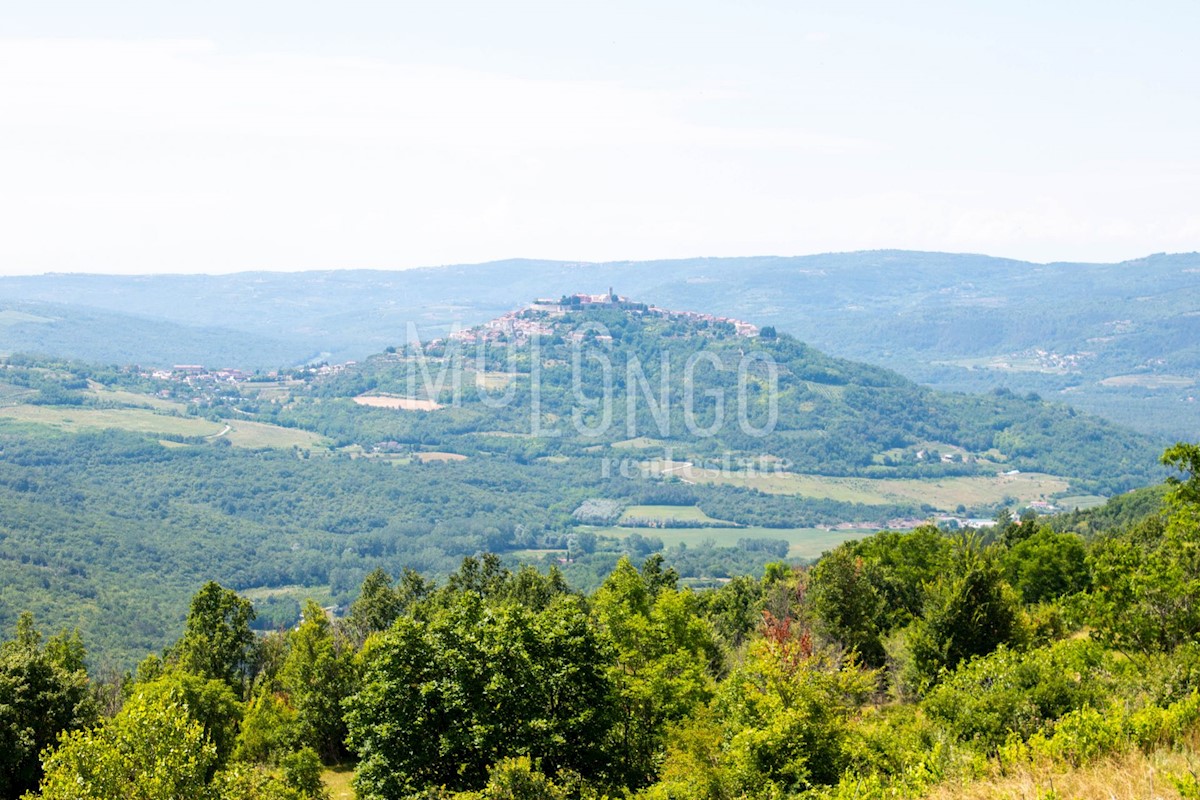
x,y
1008,692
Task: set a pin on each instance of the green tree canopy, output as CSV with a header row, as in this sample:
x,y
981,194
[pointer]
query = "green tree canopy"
x,y
43,692
152,750
217,640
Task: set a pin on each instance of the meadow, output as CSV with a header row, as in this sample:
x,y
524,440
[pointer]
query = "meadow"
x,y
659,514
803,543
944,494
74,419
241,433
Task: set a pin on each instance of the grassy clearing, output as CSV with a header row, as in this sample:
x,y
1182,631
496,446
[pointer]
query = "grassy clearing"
x,y
338,781
145,420
506,434
640,443
943,493
270,390
1014,362
1080,502
803,543
1129,775
298,593
261,434
426,458
828,391
138,420
664,513
491,381
1149,381
396,403
535,553
134,399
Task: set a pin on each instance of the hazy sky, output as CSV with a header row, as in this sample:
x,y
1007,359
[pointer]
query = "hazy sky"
x,y
223,136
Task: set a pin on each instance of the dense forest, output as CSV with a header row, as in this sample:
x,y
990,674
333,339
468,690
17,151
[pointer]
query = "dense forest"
x,y
902,664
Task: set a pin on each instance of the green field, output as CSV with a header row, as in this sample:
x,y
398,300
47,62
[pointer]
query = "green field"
x,y
144,420
270,390
338,781
1150,381
139,420
663,513
261,434
1013,362
127,398
298,593
803,543
640,443
1080,502
942,493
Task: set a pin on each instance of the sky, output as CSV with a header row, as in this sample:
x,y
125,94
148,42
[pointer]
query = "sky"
x,y
152,137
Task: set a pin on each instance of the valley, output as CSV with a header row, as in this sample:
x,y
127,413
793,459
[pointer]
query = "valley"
x,y
558,435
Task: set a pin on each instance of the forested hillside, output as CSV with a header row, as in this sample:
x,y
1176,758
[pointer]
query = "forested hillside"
x,y
1033,661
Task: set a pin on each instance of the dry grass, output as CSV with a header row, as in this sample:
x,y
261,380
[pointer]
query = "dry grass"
x,y
491,381
426,458
338,781
663,513
1128,776
1150,381
943,493
398,403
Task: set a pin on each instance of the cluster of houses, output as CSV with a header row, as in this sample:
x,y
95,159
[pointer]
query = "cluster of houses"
x,y
513,326
198,372
530,321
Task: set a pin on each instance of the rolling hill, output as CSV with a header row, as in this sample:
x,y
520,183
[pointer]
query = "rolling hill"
x,y
1115,339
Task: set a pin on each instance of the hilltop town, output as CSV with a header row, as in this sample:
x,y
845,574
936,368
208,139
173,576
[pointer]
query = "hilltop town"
x,y
535,319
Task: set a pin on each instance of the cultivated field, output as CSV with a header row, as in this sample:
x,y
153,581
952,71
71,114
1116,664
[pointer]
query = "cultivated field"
x,y
690,514
127,398
260,434
640,443
1080,502
803,543
399,403
1149,381
493,381
426,458
298,593
943,493
139,420
146,420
